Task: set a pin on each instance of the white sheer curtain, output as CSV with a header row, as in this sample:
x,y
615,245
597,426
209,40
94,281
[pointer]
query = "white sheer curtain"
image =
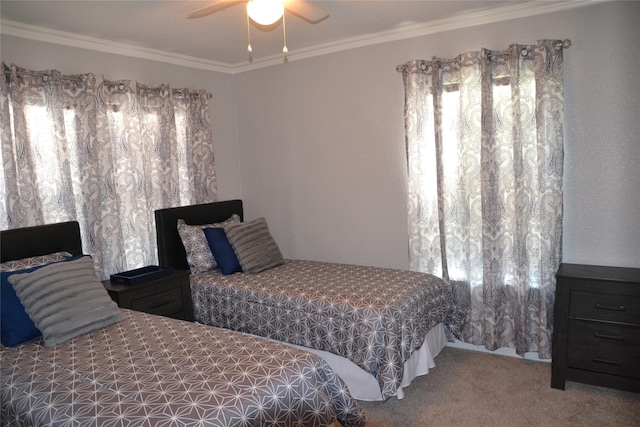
x,y
104,153
485,159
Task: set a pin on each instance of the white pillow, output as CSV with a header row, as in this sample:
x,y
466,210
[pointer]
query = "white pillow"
x,y
199,256
34,261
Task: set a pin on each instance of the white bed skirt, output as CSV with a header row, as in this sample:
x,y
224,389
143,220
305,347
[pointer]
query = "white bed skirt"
x,y
363,386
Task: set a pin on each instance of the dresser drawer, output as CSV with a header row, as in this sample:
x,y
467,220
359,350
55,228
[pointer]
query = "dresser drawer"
x,y
604,335
606,307
596,337
612,362
163,303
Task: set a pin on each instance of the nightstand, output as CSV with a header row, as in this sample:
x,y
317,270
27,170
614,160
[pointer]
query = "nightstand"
x,y
167,296
597,327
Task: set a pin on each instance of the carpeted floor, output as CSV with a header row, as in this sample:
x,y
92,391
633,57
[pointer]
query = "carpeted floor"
x,y
468,388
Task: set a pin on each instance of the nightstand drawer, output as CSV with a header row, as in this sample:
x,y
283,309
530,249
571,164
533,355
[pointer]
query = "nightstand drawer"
x,y
604,335
619,363
607,307
167,296
162,303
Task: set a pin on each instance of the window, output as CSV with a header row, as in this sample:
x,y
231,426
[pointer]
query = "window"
x,y
484,149
106,154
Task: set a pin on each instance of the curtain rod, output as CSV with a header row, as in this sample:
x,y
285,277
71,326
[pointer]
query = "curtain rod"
x,y
564,44
45,77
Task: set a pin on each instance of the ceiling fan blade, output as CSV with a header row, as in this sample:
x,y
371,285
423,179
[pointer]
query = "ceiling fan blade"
x,y
214,7
306,11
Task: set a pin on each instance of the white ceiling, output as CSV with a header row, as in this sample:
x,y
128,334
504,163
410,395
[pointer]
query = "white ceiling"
x,y
159,30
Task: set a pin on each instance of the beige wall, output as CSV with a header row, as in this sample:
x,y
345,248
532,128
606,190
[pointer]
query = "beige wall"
x,y
317,146
322,144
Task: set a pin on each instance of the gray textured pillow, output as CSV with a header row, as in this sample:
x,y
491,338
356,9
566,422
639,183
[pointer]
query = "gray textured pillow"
x,y
199,256
65,300
254,246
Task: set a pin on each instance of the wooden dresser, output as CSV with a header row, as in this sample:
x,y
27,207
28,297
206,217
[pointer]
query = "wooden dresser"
x,y
596,336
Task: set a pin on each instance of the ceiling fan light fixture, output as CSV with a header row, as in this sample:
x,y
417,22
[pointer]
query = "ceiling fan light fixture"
x,y
265,12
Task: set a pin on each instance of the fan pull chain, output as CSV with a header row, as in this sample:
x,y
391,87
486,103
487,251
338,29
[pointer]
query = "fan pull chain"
x,y
284,35
249,48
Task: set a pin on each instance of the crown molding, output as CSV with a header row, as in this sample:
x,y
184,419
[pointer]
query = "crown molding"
x,y
47,35
503,13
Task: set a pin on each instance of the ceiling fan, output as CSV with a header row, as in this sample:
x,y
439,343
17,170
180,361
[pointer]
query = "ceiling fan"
x,y
266,12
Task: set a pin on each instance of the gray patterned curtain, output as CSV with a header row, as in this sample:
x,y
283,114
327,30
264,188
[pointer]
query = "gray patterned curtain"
x,y
485,158
104,153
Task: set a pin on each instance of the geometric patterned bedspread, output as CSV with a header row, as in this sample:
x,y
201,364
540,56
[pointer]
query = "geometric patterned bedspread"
x,y
375,317
155,371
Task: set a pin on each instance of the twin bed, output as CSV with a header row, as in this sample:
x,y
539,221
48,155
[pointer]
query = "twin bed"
x,y
147,370
377,328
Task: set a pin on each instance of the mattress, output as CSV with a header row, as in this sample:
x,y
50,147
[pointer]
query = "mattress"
x,y
155,371
374,317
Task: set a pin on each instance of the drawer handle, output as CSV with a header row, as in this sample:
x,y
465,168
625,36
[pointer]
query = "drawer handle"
x,y
608,337
610,307
162,304
608,362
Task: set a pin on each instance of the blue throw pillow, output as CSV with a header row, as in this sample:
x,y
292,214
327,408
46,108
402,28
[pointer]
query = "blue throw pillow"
x,y
16,326
222,251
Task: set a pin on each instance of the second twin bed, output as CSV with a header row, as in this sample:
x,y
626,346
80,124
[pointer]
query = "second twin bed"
x,y
378,328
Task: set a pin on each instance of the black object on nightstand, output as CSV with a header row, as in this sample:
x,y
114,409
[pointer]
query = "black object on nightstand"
x,y
167,296
596,337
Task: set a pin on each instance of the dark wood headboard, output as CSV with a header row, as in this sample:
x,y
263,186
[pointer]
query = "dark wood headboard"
x,y
26,242
171,252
